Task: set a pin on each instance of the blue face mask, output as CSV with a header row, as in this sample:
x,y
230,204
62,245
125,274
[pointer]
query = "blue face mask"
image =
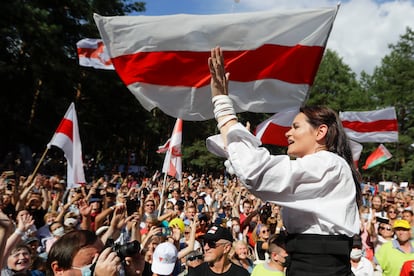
x,y
86,270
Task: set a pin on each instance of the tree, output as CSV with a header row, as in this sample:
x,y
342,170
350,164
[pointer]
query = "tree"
x,y
336,86
392,84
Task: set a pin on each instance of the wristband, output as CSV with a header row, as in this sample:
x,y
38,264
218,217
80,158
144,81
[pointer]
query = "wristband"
x,y
225,120
222,106
19,232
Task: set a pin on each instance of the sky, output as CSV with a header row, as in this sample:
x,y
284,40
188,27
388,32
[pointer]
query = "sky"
x,y
362,30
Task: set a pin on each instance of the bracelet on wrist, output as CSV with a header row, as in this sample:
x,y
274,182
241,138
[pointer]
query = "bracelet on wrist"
x,y
19,232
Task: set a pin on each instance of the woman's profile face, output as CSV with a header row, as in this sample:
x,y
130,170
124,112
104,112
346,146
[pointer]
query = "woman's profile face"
x,y
301,137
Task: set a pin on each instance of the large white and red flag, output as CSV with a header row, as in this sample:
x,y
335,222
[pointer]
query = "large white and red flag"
x,y
378,126
172,162
272,58
272,131
92,53
67,138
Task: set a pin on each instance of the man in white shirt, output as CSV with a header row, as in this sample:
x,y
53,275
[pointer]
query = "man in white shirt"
x,y
360,265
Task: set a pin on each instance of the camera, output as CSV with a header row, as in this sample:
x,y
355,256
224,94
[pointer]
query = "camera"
x,y
124,250
265,212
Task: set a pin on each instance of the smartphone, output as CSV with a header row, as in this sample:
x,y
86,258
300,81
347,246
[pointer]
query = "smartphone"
x,y
132,206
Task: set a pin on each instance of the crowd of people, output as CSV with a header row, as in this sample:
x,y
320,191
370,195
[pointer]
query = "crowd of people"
x,y
304,213
118,225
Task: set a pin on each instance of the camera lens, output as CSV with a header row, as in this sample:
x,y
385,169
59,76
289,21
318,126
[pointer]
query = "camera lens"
x,y
129,249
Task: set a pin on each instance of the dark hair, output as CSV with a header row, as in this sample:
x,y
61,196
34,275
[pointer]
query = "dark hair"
x,y
65,248
336,140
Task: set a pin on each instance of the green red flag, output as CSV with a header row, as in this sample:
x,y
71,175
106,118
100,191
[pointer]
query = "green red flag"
x,y
378,156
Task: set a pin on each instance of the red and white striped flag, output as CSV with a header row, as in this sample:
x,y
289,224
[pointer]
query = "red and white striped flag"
x,y
378,126
164,148
356,149
67,138
273,130
272,58
92,53
172,161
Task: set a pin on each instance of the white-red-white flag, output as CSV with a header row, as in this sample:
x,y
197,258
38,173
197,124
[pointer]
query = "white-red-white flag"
x,y
67,138
172,162
272,58
92,53
378,126
272,131
164,148
356,149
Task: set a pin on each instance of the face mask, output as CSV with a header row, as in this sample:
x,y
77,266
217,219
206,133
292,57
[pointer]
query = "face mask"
x,y
72,222
365,216
59,232
86,270
356,253
287,261
236,228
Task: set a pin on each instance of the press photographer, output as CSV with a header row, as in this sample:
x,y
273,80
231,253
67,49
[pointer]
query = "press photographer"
x,y
81,252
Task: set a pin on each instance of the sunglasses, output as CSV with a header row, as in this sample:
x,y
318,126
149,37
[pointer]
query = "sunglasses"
x,y
212,244
265,231
192,258
386,228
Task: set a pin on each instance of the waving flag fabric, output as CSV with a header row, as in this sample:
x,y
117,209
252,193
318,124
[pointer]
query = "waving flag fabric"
x,y
380,155
272,58
67,138
273,130
356,149
164,148
378,126
172,161
92,53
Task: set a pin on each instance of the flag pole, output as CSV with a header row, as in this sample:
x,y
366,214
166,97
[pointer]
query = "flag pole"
x,y
162,194
38,164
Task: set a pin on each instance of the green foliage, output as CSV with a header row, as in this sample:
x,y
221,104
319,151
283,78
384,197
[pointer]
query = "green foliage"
x,y
336,86
39,67
392,84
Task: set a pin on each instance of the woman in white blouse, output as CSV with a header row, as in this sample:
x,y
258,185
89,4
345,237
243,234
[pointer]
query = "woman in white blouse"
x,y
316,183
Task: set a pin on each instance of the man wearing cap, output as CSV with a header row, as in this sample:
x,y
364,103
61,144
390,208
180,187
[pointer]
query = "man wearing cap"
x,y
164,259
392,255
217,245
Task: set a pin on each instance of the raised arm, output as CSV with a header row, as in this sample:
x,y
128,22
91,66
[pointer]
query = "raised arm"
x,y
223,106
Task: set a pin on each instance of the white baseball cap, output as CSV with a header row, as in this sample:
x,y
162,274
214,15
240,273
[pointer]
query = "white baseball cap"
x,y
164,258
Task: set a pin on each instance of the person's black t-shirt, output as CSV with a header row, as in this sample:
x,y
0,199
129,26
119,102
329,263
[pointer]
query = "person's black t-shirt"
x,y
204,270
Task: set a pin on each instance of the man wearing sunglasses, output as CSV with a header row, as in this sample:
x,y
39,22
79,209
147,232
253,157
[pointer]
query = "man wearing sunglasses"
x,y
392,255
217,245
